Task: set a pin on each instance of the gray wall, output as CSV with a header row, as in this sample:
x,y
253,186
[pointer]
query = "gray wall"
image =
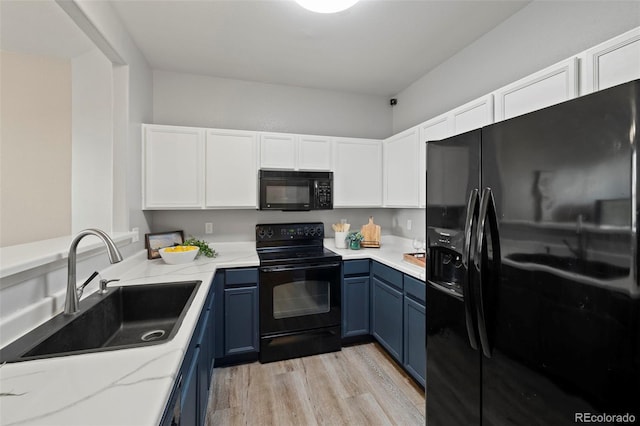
x,y
203,101
541,34
239,225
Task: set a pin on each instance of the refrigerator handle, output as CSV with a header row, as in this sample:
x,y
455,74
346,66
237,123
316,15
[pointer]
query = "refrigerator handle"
x,y
472,216
487,212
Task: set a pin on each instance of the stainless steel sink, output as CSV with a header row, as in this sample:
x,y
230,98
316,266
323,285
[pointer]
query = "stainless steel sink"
x,y
124,317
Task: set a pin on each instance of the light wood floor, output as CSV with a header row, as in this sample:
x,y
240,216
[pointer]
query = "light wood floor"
x,y
359,385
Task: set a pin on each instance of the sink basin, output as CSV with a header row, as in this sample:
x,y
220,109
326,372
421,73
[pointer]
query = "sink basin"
x,y
125,317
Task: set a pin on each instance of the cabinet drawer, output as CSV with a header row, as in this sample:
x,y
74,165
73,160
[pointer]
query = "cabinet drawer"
x,y
241,276
356,267
390,275
415,288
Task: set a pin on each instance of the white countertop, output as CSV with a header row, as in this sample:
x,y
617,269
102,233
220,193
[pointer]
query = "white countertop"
x,y
120,387
132,386
390,253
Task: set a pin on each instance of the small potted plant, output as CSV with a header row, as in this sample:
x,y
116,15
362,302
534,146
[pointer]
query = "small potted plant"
x,y
355,238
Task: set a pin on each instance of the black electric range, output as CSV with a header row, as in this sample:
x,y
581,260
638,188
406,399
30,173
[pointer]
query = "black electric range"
x,y
300,297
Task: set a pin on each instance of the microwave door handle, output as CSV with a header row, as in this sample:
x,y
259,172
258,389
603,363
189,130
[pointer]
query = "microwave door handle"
x,y
315,192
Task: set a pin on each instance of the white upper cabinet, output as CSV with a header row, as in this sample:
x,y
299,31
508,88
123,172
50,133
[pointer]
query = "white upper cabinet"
x,y
550,86
294,152
357,178
231,169
172,167
278,150
472,115
314,153
613,62
437,128
402,169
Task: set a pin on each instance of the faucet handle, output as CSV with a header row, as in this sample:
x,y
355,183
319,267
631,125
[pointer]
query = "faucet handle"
x,y
103,284
80,289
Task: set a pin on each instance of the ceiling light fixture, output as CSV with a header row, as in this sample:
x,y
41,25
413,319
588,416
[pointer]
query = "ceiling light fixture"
x,y
326,6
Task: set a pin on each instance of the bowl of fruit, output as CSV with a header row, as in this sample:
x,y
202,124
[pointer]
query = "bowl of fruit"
x,y
177,255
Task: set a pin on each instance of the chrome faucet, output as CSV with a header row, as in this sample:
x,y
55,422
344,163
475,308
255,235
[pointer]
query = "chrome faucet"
x,y
72,301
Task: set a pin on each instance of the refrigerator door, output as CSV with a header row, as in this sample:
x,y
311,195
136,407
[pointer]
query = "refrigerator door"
x,y
563,321
453,359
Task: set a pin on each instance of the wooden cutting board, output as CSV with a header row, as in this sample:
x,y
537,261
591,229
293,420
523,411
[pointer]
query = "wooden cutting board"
x,y
371,233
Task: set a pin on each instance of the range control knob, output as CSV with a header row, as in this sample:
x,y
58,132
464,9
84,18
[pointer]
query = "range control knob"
x,y
319,231
269,233
261,233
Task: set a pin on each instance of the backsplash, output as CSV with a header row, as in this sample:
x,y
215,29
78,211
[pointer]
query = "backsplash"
x,y
239,225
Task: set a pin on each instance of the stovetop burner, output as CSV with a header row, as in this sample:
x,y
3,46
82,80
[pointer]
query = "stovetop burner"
x,y
292,243
297,255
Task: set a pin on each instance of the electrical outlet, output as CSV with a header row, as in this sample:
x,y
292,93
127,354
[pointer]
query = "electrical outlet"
x,y
409,224
136,237
208,228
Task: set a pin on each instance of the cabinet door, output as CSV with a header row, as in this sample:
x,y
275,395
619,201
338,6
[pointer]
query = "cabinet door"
x,y
402,169
314,153
277,151
189,406
613,62
355,306
437,128
240,320
357,176
231,179
204,364
550,86
415,350
386,317
472,115
173,167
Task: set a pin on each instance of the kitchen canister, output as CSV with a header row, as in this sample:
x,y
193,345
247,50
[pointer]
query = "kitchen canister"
x,y
341,239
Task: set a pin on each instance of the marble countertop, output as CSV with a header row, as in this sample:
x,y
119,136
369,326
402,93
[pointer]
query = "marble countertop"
x,y
132,386
390,253
121,387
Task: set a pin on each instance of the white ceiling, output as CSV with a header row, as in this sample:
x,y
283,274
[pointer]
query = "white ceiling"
x,y
378,47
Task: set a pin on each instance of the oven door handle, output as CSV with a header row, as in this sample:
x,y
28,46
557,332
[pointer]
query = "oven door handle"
x,y
299,268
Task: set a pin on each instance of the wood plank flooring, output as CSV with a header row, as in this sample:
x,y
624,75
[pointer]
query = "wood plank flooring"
x,y
359,385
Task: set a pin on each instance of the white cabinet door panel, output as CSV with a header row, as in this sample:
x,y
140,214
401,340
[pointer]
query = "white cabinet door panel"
x,y
473,115
402,169
550,86
437,128
231,169
357,177
613,62
277,151
314,153
172,167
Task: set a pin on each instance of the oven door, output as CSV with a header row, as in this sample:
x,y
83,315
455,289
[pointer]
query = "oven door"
x,y
299,297
286,193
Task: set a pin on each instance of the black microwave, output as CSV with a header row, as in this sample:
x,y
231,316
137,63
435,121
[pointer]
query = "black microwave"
x,y
295,191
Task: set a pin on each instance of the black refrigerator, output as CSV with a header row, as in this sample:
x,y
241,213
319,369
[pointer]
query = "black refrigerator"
x,y
533,301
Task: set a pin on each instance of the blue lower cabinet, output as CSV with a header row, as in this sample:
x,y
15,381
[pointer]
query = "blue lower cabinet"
x,y
189,405
189,397
415,351
386,317
241,332
355,306
204,372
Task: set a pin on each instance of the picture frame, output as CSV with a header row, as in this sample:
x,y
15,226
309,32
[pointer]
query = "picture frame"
x,y
156,241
